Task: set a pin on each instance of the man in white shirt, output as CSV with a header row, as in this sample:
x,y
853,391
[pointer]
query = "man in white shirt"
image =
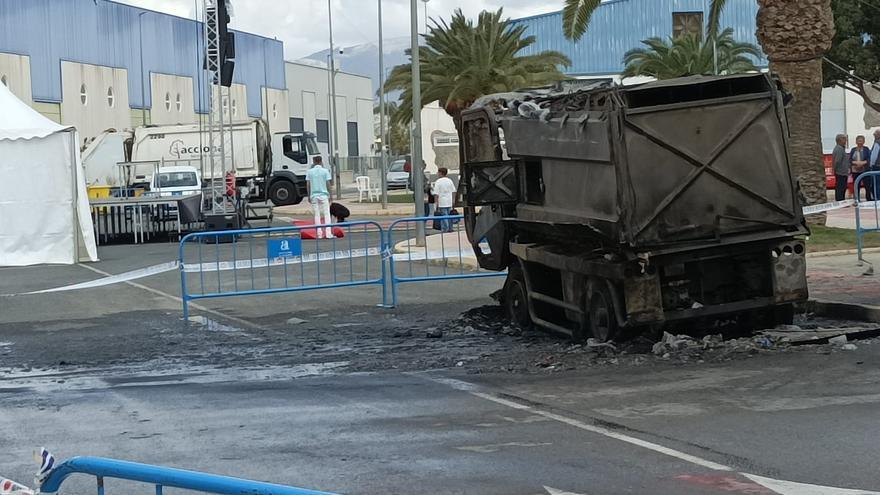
x,y
444,194
319,182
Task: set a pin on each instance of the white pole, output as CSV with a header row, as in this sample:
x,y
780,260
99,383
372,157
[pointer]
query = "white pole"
x,y
383,162
416,140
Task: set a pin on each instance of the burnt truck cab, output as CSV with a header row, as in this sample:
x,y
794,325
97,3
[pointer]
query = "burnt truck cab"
x,y
616,207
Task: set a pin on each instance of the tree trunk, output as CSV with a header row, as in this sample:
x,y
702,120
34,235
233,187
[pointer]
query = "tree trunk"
x,y
804,81
795,34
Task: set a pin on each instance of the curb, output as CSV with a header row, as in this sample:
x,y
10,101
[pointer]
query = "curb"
x,y
844,311
841,252
466,262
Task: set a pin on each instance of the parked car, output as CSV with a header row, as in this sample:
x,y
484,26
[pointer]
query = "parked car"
x,y
397,177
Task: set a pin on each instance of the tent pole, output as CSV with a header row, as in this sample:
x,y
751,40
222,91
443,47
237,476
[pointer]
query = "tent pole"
x,y
75,182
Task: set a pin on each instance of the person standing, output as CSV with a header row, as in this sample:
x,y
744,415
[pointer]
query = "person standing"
x,y
858,158
444,192
841,167
319,182
874,164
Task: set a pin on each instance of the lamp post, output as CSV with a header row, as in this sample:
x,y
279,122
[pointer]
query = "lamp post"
x,y
143,97
426,15
383,162
333,104
416,140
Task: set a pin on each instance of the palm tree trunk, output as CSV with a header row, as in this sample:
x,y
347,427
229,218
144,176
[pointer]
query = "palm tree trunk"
x,y
795,34
803,79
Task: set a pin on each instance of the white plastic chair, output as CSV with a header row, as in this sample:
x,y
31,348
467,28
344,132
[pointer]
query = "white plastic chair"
x,y
363,185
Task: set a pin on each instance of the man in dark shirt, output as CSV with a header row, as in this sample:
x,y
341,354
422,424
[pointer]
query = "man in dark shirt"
x,y
860,158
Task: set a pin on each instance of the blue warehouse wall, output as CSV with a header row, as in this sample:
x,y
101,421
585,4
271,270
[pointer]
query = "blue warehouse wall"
x,y
618,26
106,33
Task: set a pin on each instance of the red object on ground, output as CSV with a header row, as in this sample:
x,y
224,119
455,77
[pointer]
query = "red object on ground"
x,y
312,233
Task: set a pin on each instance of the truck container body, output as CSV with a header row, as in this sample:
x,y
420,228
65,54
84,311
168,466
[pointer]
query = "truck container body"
x,y
640,205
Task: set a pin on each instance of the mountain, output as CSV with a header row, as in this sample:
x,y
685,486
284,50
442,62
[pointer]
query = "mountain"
x,y
364,59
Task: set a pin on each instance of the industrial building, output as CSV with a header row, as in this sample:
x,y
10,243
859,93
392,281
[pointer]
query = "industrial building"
x,y
308,88
98,65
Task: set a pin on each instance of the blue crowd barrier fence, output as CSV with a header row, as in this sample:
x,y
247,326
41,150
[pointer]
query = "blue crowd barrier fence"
x,y
280,259
161,477
444,256
867,206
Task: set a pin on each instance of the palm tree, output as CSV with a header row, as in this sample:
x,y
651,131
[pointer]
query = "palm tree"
x,y
576,16
460,62
795,34
690,55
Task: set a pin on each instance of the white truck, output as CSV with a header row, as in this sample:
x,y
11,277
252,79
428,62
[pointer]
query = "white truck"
x,y
275,164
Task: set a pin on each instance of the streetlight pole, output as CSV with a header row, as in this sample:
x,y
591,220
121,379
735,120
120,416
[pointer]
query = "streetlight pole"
x,y
383,165
266,89
143,97
333,104
426,15
416,140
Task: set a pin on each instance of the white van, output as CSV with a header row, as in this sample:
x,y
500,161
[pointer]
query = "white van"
x,y
176,181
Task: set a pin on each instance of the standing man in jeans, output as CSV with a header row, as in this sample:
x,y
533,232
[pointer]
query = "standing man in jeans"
x,y
444,192
318,182
841,167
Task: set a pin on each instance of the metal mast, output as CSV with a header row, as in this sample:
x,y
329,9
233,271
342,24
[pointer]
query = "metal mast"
x,y
219,137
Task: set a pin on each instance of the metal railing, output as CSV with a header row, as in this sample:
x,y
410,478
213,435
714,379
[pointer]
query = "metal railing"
x,y
161,477
281,259
447,256
861,229
246,262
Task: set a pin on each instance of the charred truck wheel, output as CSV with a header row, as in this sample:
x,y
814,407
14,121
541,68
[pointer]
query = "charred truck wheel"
x,y
283,193
516,298
600,307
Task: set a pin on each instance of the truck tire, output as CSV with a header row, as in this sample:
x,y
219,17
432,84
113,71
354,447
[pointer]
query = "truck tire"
x,y
283,193
516,298
603,323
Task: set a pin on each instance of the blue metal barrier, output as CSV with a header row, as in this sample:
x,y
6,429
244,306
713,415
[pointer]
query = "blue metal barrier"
x,y
162,477
431,262
278,259
867,205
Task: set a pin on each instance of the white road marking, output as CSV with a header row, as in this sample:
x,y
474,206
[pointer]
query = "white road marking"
x,y
179,300
791,488
779,486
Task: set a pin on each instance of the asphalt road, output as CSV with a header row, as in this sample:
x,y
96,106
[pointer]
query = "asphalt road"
x,y
356,399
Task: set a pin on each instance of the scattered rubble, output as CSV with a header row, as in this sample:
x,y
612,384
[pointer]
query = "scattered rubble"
x,y
296,321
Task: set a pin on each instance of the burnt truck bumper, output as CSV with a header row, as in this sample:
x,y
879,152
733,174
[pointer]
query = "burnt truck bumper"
x,y
647,299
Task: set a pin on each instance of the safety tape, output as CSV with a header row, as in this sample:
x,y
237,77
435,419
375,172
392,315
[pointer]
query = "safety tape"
x,y
834,205
112,279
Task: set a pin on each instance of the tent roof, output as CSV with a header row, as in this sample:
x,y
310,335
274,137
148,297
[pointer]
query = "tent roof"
x,y
20,121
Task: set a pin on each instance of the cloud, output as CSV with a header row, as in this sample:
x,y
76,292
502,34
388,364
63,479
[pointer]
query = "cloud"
x,y
303,24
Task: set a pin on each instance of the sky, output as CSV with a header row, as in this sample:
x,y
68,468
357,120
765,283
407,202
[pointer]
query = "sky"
x,y
302,24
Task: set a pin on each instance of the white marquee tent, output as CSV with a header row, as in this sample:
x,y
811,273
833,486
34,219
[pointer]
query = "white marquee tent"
x,y
44,208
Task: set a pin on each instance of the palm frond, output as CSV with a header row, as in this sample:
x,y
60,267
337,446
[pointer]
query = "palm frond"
x,y
576,16
715,10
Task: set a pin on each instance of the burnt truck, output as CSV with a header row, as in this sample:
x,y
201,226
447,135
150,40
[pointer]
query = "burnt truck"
x,y
616,207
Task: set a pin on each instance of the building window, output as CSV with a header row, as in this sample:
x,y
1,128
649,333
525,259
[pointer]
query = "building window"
x,y
225,106
352,134
274,111
111,100
234,108
179,103
685,23
83,95
297,125
322,128
4,81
